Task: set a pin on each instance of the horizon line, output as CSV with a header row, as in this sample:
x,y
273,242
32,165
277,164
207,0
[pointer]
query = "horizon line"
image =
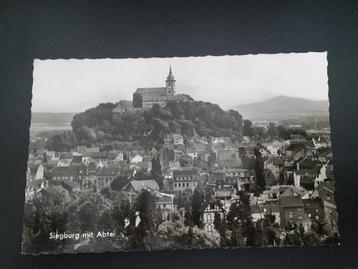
x,y
264,100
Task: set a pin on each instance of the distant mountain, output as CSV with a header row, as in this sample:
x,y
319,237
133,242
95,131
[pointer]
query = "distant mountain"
x,y
284,107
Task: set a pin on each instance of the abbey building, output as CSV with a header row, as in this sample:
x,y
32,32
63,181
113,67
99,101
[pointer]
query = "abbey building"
x,y
147,97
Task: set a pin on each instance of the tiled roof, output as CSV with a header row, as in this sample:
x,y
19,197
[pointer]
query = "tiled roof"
x,y
108,171
276,160
273,208
138,185
185,172
290,201
160,90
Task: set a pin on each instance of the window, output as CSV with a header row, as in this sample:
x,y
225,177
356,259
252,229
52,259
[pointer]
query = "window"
x,y
290,215
187,184
175,185
309,215
317,217
316,210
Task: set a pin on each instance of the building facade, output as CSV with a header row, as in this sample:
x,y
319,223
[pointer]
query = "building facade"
x,y
147,97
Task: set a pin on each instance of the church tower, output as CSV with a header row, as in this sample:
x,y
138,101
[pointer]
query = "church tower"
x,y
170,83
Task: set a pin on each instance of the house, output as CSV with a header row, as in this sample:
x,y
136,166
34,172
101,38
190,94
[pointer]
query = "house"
x,y
106,175
133,188
224,191
75,172
326,192
178,154
324,154
165,203
289,191
119,157
185,179
64,163
77,159
292,212
123,106
296,151
270,178
245,180
52,191
71,186
275,164
137,158
89,183
307,182
259,212
195,149
34,186
306,163
211,209
84,149
319,142
299,174
274,147
264,152
178,139
96,155
229,158
314,209
35,172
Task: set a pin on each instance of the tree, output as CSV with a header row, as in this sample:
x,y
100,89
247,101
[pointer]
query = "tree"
x,y
238,219
221,226
197,204
42,217
272,130
258,132
100,124
310,239
145,205
119,182
247,128
61,142
283,132
156,171
185,161
88,217
259,170
293,238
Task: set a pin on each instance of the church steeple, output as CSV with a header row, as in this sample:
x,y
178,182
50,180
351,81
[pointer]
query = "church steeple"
x,y
170,82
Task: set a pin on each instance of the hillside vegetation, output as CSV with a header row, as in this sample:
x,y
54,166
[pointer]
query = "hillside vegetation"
x,y
100,124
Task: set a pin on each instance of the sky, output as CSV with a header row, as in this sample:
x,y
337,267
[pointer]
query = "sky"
x,y
75,85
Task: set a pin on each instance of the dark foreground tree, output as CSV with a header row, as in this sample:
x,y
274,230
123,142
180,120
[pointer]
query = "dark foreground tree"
x,y
197,203
259,170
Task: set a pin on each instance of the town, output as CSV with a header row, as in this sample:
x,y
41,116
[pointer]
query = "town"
x,y
272,186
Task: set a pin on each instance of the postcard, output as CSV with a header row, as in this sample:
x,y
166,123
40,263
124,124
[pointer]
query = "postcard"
x,y
180,153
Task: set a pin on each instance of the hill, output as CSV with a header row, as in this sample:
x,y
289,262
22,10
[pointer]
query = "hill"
x,y
283,108
149,127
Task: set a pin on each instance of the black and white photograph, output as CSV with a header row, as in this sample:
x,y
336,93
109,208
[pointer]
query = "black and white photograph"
x,y
180,153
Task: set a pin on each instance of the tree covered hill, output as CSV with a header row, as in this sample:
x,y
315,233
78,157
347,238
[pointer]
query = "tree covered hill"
x,y
283,108
101,124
